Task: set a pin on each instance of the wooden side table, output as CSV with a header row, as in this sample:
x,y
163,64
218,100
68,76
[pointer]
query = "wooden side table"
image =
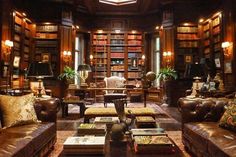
x,y
66,102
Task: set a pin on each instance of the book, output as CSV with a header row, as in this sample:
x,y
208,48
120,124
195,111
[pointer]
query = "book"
x,y
109,121
91,129
106,120
148,131
84,145
153,144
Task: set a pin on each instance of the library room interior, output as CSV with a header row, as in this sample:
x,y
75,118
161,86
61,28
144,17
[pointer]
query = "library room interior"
x,y
118,78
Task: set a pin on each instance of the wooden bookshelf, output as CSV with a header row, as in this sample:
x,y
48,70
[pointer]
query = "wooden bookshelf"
x,y
47,45
117,54
211,40
22,34
187,44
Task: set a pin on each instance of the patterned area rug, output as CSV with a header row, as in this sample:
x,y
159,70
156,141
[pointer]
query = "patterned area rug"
x,y
66,126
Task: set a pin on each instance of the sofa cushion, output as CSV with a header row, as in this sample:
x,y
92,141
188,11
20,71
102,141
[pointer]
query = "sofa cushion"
x,y
228,120
26,140
18,110
142,111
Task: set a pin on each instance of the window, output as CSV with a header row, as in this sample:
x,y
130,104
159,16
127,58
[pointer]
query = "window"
x,y
79,44
156,58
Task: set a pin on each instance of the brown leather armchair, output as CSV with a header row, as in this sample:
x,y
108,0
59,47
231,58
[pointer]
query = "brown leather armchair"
x,y
201,133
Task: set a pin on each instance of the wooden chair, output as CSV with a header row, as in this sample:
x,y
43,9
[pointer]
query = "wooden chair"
x,y
110,95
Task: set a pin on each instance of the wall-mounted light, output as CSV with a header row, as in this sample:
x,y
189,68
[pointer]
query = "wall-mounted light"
x,y
157,27
143,57
8,44
201,20
66,56
167,57
226,45
117,31
91,59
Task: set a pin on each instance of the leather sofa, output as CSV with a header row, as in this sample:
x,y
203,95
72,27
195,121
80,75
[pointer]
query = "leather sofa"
x,y
201,133
32,139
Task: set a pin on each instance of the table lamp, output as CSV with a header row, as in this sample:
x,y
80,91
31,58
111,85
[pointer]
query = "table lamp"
x,y
196,72
40,70
83,70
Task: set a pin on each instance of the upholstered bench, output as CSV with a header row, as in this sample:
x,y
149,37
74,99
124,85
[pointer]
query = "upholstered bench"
x,y
110,112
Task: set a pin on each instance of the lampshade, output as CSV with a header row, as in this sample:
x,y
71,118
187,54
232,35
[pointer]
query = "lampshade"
x,y
40,69
194,70
84,67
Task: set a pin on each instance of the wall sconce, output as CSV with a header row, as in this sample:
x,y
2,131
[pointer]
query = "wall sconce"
x,y
225,45
91,59
167,56
66,56
143,59
9,45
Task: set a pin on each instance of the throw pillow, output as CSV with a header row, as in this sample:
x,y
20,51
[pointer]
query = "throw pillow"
x,y
18,110
228,120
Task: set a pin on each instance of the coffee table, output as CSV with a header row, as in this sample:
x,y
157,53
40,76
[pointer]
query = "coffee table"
x,y
125,148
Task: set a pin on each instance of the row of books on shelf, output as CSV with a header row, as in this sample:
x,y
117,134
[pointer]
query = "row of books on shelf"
x,y
100,55
46,35
134,74
206,34
46,42
188,44
134,42
117,55
99,36
187,29
47,28
99,42
216,21
139,37
117,36
206,27
118,67
117,49
119,74
100,49
100,61
117,41
216,30
187,36
135,49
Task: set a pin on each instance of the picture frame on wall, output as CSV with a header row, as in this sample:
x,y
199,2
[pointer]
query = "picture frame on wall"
x,y
45,57
217,62
228,67
188,59
16,62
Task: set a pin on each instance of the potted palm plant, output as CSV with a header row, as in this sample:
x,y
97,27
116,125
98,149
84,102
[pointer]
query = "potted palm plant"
x,y
166,74
68,75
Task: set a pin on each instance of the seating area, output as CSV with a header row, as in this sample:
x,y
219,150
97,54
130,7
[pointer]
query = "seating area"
x,y
142,77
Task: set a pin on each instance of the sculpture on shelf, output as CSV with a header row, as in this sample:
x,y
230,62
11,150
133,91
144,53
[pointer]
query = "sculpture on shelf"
x,y
118,130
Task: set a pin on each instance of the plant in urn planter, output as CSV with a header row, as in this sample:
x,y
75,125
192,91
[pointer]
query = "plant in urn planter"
x,y
166,74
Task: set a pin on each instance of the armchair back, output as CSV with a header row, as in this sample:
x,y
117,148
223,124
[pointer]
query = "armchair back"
x,y
114,82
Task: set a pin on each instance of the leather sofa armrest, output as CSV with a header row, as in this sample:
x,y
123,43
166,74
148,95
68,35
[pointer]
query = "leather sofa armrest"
x,y
47,109
201,109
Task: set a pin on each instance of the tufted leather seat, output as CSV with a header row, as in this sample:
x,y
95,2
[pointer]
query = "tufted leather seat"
x,y
201,133
32,139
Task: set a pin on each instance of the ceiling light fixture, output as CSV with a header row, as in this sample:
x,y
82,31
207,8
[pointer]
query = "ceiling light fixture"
x,y
118,2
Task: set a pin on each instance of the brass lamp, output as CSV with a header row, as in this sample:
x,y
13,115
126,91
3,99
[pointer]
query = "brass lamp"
x,y
40,70
83,70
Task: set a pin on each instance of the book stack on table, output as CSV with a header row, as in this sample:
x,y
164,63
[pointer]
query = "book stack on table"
x,y
91,129
84,145
152,140
109,121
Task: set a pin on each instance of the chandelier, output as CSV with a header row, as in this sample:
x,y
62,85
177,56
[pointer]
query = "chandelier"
x,y
118,2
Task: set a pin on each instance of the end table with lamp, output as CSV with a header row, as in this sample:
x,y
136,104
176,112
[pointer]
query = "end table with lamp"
x,y
39,70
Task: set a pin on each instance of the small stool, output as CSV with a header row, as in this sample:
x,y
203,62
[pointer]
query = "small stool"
x,y
145,122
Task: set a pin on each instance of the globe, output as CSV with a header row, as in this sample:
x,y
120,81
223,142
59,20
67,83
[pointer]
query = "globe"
x,y
151,76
